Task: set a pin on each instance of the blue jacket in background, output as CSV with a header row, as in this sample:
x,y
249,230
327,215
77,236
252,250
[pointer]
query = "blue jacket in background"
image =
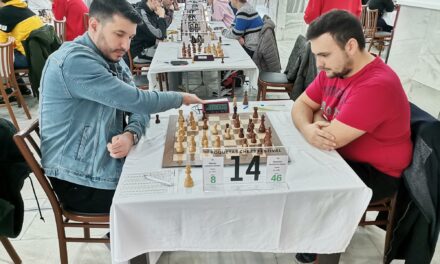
x,y
82,105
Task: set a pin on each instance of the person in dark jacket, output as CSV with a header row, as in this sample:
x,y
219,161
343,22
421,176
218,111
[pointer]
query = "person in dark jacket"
x,y
39,45
14,170
152,29
383,6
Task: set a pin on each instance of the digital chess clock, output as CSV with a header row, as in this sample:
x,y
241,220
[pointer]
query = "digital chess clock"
x,y
216,106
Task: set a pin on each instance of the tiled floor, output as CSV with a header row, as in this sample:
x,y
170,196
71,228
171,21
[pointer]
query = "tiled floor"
x,y
38,242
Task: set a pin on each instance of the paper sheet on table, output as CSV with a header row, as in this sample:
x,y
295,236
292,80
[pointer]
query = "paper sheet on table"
x,y
144,183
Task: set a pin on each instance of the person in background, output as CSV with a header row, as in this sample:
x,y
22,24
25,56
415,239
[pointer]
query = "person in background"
x,y
18,21
246,27
316,8
169,7
73,11
152,29
382,6
221,11
91,113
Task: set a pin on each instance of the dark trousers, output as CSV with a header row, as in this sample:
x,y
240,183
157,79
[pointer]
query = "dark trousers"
x,y
382,184
382,25
82,199
20,61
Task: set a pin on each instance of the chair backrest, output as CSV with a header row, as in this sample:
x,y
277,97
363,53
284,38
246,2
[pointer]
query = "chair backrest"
x,y
86,21
7,59
60,28
25,140
364,16
371,22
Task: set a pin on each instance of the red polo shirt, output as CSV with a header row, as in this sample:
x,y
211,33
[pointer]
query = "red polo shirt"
x,y
74,11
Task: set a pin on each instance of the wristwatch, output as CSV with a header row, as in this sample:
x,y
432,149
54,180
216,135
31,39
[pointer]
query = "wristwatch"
x,y
135,136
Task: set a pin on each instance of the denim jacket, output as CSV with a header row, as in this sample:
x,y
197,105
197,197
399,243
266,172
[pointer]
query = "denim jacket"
x,y
82,105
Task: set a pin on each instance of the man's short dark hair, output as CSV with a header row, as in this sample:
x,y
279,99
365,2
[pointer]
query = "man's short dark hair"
x,y
341,25
105,9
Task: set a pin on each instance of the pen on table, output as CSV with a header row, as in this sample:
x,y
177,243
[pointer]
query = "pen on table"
x,y
245,107
158,180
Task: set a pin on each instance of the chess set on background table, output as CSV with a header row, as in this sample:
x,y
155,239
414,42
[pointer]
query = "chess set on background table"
x,y
189,138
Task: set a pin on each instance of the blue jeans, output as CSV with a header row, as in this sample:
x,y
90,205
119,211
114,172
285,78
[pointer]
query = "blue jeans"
x,y
20,61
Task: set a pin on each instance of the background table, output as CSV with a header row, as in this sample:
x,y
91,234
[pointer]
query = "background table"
x,y
319,212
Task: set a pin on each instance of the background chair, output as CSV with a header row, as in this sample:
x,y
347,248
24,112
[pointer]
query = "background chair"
x,y
370,25
141,80
10,249
25,140
8,80
60,28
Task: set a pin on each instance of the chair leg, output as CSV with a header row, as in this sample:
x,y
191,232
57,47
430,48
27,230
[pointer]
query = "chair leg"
x,y
9,107
21,100
166,81
86,232
62,243
159,76
259,91
10,249
263,92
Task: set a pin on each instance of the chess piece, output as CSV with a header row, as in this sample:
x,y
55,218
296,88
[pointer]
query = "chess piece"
x,y
223,59
191,116
188,179
254,138
234,102
205,50
268,142
241,134
219,39
237,121
181,118
245,98
228,133
255,115
192,60
179,148
205,143
217,142
205,124
250,133
181,132
157,119
268,134
262,127
204,117
193,125
245,143
214,129
192,146
234,115
226,127
205,136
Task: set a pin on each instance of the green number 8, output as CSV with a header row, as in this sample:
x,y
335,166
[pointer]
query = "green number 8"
x,y
212,179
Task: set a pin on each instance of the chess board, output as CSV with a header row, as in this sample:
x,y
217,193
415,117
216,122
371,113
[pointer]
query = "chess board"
x,y
202,51
173,159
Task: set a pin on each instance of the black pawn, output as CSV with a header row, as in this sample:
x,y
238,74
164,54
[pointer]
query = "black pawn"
x,y
157,119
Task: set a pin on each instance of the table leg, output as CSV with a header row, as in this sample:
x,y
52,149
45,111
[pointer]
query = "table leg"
x,y
329,258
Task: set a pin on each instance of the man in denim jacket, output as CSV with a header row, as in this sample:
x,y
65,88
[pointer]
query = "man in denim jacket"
x,y
86,90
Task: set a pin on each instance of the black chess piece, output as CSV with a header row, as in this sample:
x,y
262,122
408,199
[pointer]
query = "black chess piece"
x,y
157,119
234,115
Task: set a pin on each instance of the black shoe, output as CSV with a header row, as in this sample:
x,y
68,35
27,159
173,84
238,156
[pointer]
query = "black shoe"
x,y
305,257
26,91
11,99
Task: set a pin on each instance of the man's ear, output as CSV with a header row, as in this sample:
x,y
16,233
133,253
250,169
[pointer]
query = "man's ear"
x,y
351,46
93,24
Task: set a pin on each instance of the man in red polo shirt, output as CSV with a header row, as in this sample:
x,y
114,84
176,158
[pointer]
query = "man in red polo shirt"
x,y
355,105
74,11
316,8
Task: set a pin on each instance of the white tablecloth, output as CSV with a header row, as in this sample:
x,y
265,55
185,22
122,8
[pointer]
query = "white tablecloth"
x,y
318,213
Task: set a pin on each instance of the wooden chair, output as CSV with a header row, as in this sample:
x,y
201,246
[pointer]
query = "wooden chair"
x,y
381,39
86,21
10,249
364,17
8,80
370,25
25,140
60,28
274,79
387,205
141,80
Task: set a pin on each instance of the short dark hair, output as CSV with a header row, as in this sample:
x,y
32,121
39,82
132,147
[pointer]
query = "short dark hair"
x,y
341,25
105,9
